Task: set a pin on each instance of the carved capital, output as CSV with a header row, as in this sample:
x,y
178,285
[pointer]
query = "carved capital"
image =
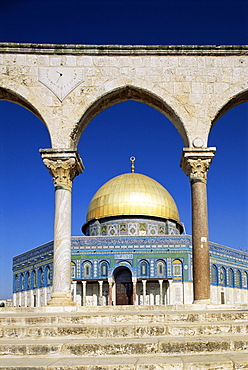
x,y
195,163
63,165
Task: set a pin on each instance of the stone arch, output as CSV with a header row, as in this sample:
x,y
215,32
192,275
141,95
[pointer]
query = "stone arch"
x,y
122,274
14,97
124,288
124,93
232,102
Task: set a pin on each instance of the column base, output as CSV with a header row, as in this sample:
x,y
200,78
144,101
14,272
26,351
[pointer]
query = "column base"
x,y
61,299
202,301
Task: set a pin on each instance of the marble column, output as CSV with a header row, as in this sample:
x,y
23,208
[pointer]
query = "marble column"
x,y
25,299
195,163
100,282
110,301
64,166
45,295
160,291
74,289
84,292
14,299
134,280
32,298
169,292
144,291
38,297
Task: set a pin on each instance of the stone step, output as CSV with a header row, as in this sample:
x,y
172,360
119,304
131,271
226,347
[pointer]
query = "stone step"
x,y
113,317
164,345
227,361
120,331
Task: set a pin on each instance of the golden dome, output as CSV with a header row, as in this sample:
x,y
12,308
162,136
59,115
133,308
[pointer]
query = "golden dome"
x,y
132,194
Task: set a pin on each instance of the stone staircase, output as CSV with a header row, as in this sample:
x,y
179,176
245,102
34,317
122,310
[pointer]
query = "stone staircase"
x,y
124,337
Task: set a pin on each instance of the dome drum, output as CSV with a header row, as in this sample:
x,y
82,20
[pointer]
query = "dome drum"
x,y
142,226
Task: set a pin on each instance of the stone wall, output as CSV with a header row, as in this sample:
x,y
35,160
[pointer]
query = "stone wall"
x,y
66,86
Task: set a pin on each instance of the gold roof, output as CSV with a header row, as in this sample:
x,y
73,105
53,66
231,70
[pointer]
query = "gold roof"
x,y
132,194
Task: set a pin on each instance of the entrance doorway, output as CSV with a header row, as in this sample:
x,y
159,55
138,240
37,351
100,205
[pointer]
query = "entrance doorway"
x,y
124,286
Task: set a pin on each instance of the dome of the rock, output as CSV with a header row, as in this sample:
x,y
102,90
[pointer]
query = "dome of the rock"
x,y
132,194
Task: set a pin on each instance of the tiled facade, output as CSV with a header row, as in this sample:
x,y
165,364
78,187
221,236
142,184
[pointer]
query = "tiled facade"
x,y
149,259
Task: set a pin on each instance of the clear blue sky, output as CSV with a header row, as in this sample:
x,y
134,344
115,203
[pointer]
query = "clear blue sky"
x,y
130,128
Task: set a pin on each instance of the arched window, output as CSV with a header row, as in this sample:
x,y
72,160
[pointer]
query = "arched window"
x,y
73,270
244,279
177,269
87,268
40,277
16,285
214,275
27,281
34,279
104,269
160,268
47,276
230,278
238,279
22,286
223,276
144,268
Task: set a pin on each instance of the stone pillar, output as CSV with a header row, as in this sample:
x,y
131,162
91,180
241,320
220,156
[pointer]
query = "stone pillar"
x,y
64,166
38,297
195,163
74,289
110,301
14,300
32,298
45,295
134,280
25,299
160,291
100,282
144,291
84,292
20,299
169,292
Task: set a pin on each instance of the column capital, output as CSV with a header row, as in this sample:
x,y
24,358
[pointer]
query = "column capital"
x,y
195,162
64,165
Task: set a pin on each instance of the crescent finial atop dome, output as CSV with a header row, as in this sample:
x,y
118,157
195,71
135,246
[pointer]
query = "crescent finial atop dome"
x,y
132,159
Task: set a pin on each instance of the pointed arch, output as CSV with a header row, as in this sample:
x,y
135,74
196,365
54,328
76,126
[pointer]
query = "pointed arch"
x,y
239,98
124,93
14,97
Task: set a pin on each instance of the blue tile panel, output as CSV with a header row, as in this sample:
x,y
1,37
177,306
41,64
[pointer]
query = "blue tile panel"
x,y
132,250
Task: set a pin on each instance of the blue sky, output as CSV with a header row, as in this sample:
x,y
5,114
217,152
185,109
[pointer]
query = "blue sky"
x,y
129,128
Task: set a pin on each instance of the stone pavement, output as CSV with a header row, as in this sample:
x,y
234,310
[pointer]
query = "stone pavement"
x,y
115,338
